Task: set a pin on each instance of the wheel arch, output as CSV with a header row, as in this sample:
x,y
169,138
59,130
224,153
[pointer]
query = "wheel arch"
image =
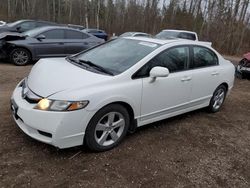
x,y
225,84
21,47
128,107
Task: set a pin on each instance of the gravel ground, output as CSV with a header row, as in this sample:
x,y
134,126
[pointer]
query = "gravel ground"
x,y
196,149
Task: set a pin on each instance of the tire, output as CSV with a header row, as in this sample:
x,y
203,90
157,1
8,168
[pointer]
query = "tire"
x,y
218,99
107,128
20,56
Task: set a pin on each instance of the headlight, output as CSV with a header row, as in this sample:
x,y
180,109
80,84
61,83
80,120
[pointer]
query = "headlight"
x,y
55,105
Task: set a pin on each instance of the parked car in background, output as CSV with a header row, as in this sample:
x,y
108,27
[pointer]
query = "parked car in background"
x,y
98,33
50,41
80,27
97,96
25,25
243,68
171,34
2,23
135,34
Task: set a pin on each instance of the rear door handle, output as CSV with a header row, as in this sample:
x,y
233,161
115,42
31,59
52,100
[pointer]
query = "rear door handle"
x,y
215,73
186,78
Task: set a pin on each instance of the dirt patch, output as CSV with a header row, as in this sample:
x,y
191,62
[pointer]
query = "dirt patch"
x,y
197,149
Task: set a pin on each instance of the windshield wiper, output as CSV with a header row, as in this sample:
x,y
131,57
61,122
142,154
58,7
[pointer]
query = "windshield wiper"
x,y
89,64
98,67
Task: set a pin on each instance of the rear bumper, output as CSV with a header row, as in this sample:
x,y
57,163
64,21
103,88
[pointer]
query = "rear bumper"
x,y
60,129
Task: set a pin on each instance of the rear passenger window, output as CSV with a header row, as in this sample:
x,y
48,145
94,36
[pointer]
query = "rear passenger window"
x,y
203,57
175,59
74,35
54,34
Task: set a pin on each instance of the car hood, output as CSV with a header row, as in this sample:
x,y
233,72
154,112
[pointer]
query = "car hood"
x,y
6,28
54,75
8,36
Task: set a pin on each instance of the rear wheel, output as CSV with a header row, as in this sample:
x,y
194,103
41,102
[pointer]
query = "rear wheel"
x,y
20,56
107,128
218,99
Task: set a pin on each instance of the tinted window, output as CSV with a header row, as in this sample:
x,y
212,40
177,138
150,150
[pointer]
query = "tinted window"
x,y
92,31
167,34
27,26
189,36
54,34
75,35
175,59
41,24
203,57
141,35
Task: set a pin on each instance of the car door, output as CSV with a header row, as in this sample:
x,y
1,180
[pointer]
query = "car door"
x,y
75,41
168,94
52,45
206,74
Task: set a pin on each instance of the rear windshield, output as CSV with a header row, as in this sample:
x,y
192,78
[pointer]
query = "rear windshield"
x,y
175,34
118,55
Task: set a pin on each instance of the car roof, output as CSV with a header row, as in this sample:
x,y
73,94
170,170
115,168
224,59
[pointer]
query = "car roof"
x,y
57,27
168,41
153,40
93,29
136,32
28,20
176,30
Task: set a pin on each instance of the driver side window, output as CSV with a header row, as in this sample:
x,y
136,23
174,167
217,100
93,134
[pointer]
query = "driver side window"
x,y
175,59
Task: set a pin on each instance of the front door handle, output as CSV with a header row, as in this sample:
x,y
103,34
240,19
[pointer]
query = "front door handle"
x,y
186,78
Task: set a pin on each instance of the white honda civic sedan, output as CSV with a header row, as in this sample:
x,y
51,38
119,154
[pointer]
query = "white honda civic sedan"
x,y
97,96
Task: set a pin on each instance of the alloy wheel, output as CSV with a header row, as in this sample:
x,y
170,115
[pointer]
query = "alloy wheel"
x,y
20,57
109,128
218,98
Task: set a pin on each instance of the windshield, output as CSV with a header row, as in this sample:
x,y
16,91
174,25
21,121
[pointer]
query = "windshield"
x,y
33,32
118,55
127,34
167,35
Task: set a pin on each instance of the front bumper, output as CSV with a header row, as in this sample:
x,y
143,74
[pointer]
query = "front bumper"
x,y
243,69
60,129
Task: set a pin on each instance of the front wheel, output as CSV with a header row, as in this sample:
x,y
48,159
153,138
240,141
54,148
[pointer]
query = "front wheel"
x,y
107,128
217,99
20,56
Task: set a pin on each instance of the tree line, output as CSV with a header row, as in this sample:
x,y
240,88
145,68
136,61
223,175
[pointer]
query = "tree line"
x,y
226,23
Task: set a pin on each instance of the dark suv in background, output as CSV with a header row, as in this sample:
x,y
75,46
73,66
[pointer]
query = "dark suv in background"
x,y
98,33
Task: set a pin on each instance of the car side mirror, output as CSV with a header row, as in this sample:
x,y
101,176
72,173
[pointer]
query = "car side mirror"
x,y
158,72
18,28
40,37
